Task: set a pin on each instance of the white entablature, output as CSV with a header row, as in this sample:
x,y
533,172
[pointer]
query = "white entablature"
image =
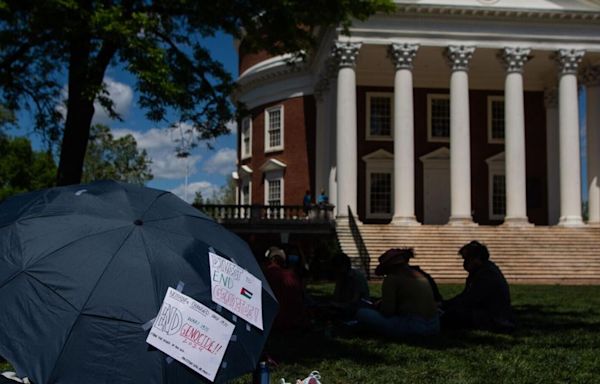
x,y
548,5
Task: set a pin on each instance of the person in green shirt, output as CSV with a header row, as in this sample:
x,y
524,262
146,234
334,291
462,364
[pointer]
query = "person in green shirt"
x,y
407,305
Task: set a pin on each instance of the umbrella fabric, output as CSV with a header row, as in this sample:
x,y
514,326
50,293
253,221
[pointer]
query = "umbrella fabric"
x,y
82,268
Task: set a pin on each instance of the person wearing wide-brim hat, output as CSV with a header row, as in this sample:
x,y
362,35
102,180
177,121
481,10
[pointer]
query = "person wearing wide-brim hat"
x,y
407,305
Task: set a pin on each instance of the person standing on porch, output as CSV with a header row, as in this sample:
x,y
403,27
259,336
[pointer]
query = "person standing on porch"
x,y
307,202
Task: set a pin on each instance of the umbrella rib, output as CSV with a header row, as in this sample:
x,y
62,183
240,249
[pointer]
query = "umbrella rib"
x,y
154,201
182,215
57,250
88,299
149,265
50,289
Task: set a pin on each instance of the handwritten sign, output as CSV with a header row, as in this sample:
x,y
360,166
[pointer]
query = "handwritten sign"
x,y
191,333
236,289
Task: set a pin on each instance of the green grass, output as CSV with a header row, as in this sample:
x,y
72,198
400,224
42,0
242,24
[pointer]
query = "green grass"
x,y
558,341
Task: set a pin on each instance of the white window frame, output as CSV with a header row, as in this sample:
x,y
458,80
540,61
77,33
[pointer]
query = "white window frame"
x,y
496,167
243,153
430,98
490,101
270,176
379,161
267,113
246,182
368,135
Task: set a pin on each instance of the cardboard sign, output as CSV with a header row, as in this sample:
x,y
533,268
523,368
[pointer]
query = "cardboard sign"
x,y
236,290
191,333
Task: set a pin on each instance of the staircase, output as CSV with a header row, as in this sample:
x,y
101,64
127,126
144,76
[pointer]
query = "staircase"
x,y
531,255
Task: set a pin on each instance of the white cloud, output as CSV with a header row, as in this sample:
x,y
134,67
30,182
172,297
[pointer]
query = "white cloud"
x,y
121,94
161,148
222,162
232,126
206,188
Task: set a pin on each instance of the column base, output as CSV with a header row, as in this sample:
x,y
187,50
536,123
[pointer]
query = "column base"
x,y
405,221
516,222
462,221
570,221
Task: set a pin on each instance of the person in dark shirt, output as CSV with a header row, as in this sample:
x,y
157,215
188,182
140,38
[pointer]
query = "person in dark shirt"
x,y
484,303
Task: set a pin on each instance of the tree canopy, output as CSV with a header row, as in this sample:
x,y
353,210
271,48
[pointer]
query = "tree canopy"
x,y
22,169
160,42
115,159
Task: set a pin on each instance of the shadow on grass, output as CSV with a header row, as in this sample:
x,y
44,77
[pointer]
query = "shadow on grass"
x,y
536,324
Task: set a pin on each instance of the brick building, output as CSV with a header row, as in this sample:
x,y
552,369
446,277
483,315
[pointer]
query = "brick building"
x,y
445,112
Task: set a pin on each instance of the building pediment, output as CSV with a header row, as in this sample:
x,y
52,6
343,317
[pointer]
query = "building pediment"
x,y
442,153
378,155
498,158
245,170
273,165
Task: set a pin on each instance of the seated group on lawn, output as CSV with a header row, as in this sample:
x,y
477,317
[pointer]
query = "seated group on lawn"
x,y
412,305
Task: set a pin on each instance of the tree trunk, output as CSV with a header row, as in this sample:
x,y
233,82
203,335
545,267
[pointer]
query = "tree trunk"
x,y
80,110
86,75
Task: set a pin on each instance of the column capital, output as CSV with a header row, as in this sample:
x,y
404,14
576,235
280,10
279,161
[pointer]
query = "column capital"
x,y
459,56
590,75
345,53
568,60
551,97
514,58
402,55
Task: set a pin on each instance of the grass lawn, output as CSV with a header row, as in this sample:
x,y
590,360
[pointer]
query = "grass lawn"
x,y
558,341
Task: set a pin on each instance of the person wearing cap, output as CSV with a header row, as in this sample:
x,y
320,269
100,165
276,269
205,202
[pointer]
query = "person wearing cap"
x,y
407,305
484,303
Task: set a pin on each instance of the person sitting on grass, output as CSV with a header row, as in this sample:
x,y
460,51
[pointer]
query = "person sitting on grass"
x,y
484,303
288,291
407,305
351,287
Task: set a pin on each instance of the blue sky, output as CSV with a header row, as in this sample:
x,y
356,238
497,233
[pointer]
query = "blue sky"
x,y
208,169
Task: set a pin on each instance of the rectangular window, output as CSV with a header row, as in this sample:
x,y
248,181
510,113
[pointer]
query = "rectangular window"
x,y
379,116
274,128
438,117
274,197
498,196
246,194
381,193
496,119
246,138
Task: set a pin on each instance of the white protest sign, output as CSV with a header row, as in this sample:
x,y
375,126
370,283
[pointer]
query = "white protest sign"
x,y
236,289
191,333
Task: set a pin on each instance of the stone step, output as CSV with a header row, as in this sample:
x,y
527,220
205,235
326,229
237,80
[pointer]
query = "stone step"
x,y
531,254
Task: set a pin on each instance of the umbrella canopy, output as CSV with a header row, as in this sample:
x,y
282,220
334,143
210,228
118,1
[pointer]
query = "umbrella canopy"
x,y
83,267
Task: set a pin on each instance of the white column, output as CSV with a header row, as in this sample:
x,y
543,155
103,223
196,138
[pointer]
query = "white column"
x,y
332,139
460,153
321,144
514,135
568,111
591,78
552,149
404,164
346,54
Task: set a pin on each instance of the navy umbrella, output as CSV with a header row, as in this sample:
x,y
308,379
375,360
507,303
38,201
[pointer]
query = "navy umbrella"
x,y
83,267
